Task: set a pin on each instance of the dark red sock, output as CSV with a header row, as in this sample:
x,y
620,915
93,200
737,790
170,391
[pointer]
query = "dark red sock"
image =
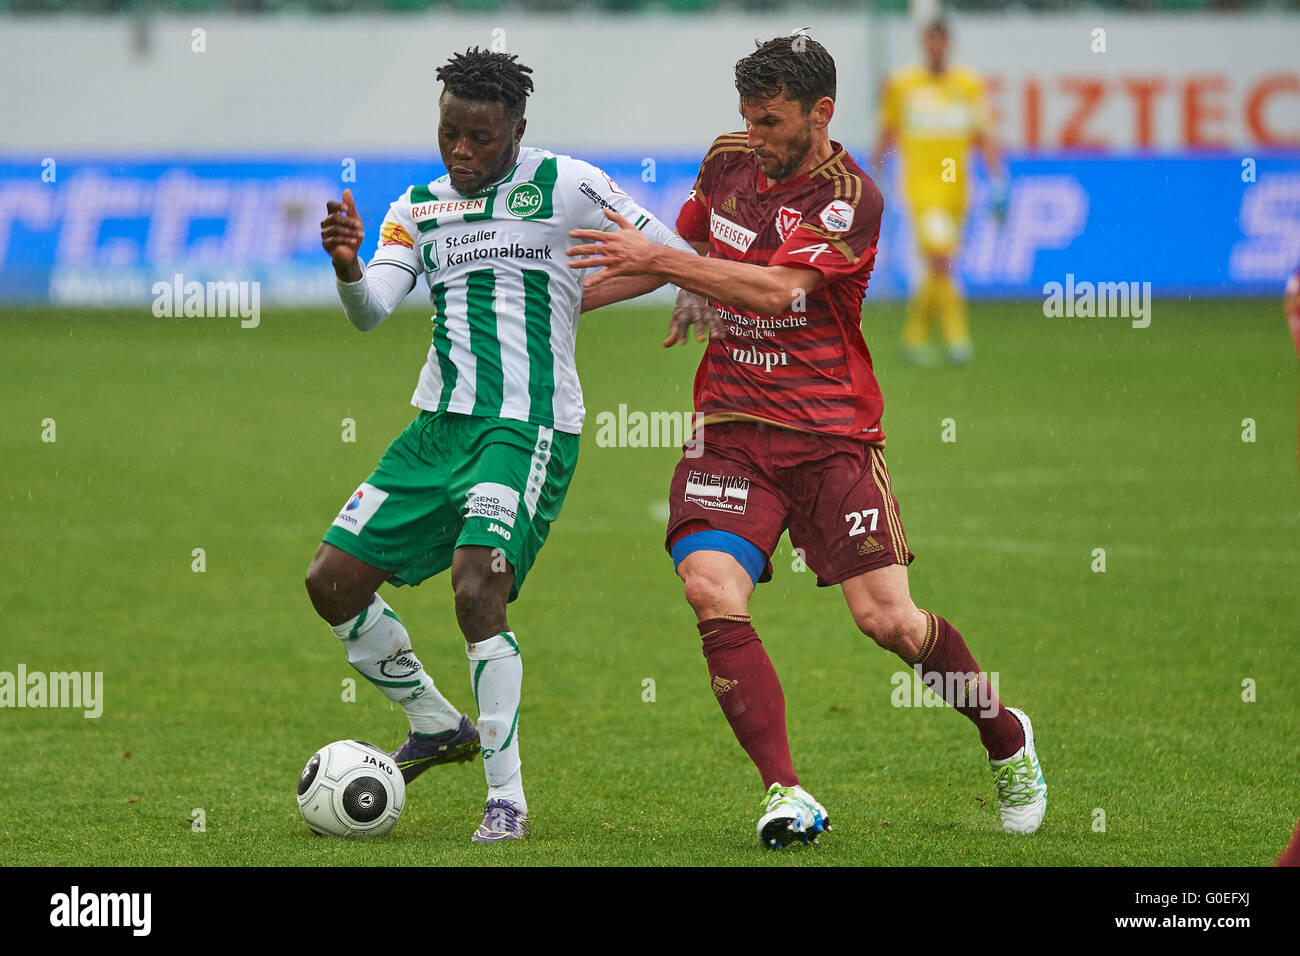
x,y
949,670
750,695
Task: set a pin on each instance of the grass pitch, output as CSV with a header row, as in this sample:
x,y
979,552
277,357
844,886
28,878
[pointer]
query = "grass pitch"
x,y
1072,435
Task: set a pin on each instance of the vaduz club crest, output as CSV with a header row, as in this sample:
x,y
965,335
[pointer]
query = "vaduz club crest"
x,y
787,221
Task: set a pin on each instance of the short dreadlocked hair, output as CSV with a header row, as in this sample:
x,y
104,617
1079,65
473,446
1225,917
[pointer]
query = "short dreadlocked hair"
x,y
485,77
797,65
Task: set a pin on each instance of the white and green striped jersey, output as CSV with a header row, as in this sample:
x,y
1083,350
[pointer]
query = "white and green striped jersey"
x,y
505,301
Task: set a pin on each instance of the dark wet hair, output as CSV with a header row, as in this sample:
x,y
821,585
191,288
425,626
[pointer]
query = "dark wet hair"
x,y
796,65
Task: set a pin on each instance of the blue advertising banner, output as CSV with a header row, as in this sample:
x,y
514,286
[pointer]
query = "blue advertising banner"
x,y
105,230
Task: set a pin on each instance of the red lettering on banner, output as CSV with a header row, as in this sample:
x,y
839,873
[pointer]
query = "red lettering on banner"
x,y
1269,86
1033,114
1197,112
1090,93
1143,90
1200,111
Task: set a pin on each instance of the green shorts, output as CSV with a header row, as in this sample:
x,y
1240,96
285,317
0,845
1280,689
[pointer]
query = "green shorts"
x,y
450,480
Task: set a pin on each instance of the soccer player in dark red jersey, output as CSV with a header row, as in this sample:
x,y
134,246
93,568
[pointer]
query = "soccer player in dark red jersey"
x,y
791,434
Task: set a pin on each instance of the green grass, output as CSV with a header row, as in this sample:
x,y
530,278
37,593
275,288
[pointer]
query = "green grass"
x,y
1072,435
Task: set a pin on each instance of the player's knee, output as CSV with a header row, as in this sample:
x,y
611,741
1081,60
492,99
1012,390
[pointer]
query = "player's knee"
x,y
480,603
327,596
319,584
704,593
470,592
888,627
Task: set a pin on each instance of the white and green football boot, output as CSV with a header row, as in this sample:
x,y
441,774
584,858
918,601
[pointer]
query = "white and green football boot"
x,y
1022,791
790,814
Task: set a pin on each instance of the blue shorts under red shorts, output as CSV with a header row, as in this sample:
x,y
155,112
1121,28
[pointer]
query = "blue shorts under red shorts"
x,y
756,481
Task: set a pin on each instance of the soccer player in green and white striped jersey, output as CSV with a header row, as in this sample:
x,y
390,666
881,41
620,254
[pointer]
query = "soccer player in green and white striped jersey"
x,y
475,481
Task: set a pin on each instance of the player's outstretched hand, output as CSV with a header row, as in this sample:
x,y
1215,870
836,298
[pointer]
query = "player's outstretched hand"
x,y
622,253
341,233
692,309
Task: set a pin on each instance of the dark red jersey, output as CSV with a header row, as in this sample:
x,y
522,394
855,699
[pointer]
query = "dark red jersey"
x,y
808,367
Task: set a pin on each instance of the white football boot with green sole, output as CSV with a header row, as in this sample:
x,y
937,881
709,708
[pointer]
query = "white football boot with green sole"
x,y
1022,791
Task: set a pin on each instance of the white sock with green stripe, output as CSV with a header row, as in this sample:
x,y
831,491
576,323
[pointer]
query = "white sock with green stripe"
x,y
497,675
380,649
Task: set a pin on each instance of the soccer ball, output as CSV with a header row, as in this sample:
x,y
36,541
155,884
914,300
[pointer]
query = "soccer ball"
x,y
351,788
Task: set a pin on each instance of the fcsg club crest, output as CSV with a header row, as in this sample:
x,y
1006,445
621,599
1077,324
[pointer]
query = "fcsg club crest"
x,y
787,221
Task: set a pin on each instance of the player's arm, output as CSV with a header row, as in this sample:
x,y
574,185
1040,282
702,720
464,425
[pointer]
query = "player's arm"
x,y
741,285
597,294
691,308
368,295
375,296
590,192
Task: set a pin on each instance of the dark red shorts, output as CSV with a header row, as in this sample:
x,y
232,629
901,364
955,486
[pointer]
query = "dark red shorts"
x,y
755,481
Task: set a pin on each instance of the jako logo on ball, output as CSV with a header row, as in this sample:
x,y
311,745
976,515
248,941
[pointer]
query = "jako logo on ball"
x,y
351,789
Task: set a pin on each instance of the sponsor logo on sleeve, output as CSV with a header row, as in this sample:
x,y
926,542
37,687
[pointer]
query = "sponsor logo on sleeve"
x,y
394,235
726,231
717,492
361,507
787,221
587,189
837,216
812,251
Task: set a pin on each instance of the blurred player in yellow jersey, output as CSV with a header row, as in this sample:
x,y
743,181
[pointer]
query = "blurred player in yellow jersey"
x,y
935,114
